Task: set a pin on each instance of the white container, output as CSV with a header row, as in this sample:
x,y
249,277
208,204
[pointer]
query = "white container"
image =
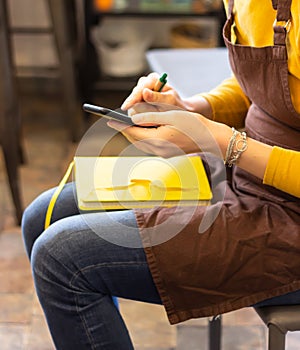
x,y
121,47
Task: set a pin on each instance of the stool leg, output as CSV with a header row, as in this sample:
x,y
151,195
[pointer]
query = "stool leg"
x,y
215,333
65,49
276,338
10,152
9,117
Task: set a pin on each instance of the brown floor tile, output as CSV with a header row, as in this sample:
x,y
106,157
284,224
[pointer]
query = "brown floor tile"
x,y
192,338
12,337
7,217
16,308
15,273
15,276
38,336
11,244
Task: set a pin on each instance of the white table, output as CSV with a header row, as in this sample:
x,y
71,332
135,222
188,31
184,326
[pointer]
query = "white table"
x,y
191,71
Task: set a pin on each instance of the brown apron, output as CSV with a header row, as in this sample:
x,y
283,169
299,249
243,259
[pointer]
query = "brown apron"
x,y
251,252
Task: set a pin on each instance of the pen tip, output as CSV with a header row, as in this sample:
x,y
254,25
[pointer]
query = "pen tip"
x,y
163,77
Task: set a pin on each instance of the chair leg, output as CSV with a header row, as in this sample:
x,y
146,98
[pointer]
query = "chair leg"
x,y
276,338
10,152
215,333
65,50
9,117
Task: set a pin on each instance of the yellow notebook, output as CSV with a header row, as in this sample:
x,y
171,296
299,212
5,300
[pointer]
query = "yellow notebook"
x,y
140,182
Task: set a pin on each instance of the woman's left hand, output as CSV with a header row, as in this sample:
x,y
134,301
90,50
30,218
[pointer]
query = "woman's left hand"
x,y
175,132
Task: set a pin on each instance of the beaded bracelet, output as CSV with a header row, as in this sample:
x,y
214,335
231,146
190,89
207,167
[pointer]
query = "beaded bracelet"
x,y
237,145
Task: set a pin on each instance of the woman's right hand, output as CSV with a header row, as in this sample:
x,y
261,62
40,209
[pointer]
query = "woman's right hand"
x,y
143,92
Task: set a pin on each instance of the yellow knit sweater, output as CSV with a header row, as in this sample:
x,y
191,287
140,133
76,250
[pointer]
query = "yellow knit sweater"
x,y
254,27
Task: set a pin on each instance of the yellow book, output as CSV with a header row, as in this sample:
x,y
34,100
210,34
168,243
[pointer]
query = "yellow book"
x,y
140,182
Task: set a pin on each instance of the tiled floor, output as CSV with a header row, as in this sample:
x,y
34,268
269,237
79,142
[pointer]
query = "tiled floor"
x,y
22,325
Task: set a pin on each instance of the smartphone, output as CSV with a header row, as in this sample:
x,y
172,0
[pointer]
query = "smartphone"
x,y
108,113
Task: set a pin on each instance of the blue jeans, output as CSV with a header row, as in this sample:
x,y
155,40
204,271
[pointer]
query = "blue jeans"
x,y
76,271
77,268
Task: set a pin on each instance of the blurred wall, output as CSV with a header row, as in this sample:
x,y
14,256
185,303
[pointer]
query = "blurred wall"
x,y
35,54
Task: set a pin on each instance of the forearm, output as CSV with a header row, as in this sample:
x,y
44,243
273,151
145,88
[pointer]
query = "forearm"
x,y
275,166
256,155
283,170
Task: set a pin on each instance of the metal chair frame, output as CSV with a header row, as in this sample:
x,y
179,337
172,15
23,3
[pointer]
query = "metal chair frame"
x,y
279,319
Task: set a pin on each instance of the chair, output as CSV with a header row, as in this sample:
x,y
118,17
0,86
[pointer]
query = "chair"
x,y
279,320
10,123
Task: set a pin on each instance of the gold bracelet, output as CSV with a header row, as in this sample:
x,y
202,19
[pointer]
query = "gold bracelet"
x,y
237,145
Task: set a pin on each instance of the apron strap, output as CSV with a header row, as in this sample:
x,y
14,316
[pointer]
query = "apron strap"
x,y
283,8
230,8
56,194
282,22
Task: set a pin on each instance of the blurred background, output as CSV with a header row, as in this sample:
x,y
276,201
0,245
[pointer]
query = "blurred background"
x,y
55,55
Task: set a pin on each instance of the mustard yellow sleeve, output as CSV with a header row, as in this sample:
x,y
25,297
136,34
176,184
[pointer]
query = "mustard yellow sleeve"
x,y
283,171
228,102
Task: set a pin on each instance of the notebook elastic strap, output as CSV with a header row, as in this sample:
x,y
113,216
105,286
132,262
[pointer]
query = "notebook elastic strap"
x,y
56,194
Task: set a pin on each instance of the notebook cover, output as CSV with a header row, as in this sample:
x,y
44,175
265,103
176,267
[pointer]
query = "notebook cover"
x,y
140,182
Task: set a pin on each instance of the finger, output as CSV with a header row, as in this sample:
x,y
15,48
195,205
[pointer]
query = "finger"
x,y
160,118
136,94
134,132
142,107
151,96
165,98
119,126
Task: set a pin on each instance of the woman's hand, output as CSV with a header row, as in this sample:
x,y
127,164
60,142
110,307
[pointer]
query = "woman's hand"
x,y
176,132
143,92
179,132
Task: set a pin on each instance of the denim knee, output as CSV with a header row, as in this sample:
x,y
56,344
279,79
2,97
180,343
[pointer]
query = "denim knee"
x,y
52,261
33,220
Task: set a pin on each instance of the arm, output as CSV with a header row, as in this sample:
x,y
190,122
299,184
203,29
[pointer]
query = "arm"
x,y
181,131
283,170
226,103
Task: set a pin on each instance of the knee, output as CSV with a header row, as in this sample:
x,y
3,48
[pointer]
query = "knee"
x,y
41,260
51,259
33,220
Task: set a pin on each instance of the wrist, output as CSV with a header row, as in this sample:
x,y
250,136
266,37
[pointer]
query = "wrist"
x,y
198,104
224,139
237,145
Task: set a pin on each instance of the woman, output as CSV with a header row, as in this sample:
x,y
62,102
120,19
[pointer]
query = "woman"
x,y
250,252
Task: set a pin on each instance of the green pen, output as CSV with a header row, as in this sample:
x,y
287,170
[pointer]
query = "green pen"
x,y
161,82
